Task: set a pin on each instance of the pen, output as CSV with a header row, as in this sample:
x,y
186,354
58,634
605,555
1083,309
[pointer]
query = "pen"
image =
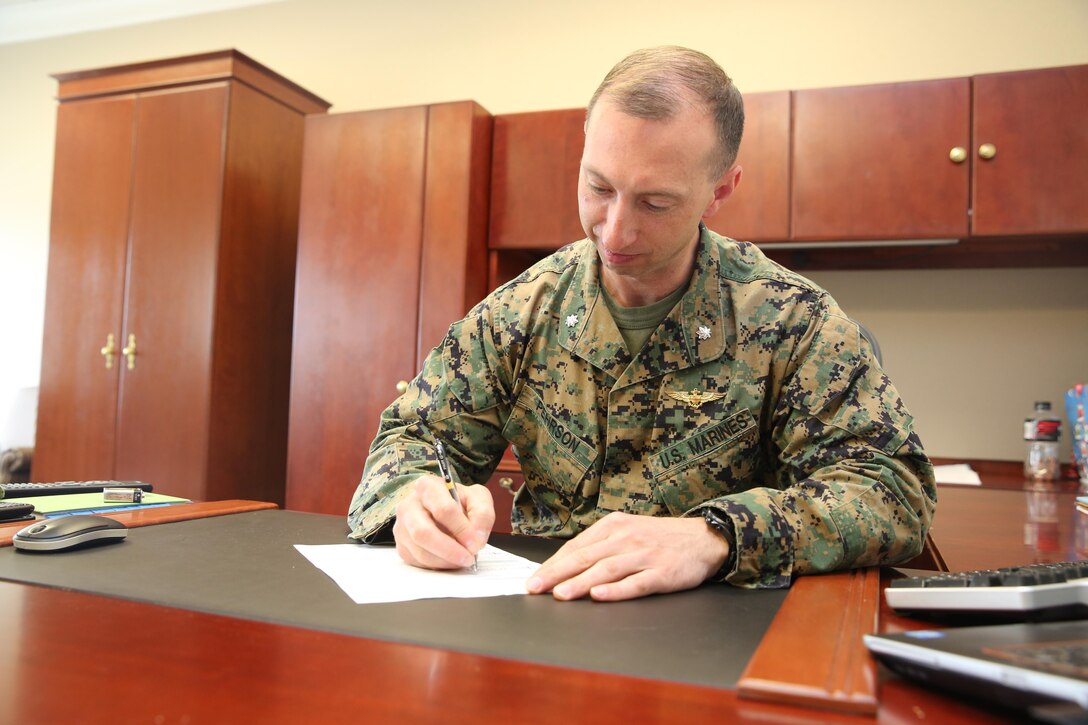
x,y
444,466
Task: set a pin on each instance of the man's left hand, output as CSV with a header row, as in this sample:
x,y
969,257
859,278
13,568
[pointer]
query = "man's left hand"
x,y
624,556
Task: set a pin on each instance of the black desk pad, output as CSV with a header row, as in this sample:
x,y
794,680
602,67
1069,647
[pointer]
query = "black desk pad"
x,y
245,565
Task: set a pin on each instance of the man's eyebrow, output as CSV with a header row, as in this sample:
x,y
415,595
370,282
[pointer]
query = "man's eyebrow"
x,y
663,193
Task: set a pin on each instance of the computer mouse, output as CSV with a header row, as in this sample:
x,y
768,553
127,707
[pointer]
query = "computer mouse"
x,y
65,532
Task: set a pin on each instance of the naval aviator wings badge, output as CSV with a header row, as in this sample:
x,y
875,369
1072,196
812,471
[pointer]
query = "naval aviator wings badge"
x,y
695,399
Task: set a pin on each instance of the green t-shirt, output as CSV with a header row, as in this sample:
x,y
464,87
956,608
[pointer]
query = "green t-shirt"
x,y
636,324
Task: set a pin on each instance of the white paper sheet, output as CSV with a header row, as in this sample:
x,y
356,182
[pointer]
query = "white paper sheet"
x,y
375,574
960,473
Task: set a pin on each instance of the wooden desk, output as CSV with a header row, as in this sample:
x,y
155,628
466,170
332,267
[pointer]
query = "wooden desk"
x,y
86,658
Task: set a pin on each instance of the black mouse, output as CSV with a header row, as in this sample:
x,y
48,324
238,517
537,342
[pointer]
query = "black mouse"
x,y
64,532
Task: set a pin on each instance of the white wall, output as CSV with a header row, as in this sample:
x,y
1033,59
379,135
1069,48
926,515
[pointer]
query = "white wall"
x,y
969,350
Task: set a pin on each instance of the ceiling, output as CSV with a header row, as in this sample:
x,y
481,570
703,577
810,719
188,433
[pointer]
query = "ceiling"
x,y
22,20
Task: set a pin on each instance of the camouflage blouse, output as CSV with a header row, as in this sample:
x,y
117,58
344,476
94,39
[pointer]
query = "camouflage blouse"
x,y
756,396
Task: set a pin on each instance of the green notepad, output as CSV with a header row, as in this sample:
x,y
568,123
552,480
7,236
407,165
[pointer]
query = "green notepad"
x,y
92,503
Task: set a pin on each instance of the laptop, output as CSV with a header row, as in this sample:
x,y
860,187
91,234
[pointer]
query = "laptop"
x,y
1037,667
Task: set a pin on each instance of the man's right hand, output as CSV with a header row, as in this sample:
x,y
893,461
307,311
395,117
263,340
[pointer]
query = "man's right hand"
x,y
433,531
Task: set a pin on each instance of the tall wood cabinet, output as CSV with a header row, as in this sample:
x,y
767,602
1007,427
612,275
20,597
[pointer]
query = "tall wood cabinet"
x,y
171,274
392,249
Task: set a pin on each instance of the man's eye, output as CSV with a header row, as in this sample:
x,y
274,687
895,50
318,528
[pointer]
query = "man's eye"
x,y
655,207
598,190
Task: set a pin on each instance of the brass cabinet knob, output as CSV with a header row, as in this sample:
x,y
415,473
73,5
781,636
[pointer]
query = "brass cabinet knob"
x,y
402,386
987,151
507,483
958,154
129,351
109,351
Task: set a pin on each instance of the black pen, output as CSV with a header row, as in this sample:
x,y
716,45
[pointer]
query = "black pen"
x,y
444,466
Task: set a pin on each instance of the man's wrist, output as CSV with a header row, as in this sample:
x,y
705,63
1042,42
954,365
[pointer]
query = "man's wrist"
x,y
723,528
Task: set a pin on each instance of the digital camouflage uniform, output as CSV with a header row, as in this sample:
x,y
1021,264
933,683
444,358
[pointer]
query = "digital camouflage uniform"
x,y
791,431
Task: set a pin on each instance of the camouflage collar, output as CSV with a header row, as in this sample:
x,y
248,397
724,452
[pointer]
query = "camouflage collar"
x,y
692,334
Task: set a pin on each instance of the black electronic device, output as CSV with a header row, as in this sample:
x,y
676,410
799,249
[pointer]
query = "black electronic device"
x,y
20,490
14,510
1040,668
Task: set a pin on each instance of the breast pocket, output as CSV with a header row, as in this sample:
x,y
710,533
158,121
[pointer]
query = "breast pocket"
x,y
716,460
553,454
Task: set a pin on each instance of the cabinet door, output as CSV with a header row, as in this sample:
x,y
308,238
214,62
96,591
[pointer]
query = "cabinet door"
x,y
759,209
534,179
1037,181
356,296
89,234
872,162
176,192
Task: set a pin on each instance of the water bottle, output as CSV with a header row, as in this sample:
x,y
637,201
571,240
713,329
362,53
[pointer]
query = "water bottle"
x,y
1041,431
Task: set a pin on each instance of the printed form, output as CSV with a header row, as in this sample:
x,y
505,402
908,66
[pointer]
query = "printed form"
x,y
376,574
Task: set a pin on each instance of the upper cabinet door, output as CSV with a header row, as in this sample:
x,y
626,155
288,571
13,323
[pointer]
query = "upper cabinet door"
x,y
759,209
534,179
1030,152
873,162
77,405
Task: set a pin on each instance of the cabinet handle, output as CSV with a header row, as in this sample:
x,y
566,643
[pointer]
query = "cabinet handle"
x,y
129,351
507,483
402,386
958,154
109,351
987,151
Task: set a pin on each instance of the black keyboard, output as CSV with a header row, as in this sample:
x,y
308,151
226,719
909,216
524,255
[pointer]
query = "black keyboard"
x,y
19,490
1012,589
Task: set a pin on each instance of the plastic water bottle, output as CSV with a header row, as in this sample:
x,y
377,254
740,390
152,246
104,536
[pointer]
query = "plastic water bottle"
x,y
1041,431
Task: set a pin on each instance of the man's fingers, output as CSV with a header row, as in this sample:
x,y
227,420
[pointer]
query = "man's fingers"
x,y
449,515
422,533
571,566
480,510
636,585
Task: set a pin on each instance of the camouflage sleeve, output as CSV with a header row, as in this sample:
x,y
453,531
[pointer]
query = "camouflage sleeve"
x,y
457,396
856,487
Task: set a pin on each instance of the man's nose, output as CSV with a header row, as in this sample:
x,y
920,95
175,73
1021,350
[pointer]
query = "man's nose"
x,y
618,230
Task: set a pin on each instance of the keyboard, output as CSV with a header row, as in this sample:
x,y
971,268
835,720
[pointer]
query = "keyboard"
x,y
19,490
1036,588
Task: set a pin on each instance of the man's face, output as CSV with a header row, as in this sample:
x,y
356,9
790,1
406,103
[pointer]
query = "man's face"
x,y
642,189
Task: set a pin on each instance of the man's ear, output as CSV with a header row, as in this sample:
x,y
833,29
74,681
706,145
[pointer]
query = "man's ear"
x,y
723,189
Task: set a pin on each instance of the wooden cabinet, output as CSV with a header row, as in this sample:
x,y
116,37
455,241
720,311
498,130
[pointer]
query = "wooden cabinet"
x,y
392,248
909,160
1037,180
897,161
534,172
173,237
872,162
759,208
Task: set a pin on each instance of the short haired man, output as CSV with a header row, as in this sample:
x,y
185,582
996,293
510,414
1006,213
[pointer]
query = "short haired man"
x,y
683,408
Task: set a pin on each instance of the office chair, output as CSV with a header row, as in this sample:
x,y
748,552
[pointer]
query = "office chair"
x,y
871,339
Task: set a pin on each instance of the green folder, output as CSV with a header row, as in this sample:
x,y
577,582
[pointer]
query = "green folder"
x,y
92,503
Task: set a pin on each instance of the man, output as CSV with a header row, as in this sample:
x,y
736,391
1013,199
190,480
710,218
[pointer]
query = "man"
x,y
683,409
